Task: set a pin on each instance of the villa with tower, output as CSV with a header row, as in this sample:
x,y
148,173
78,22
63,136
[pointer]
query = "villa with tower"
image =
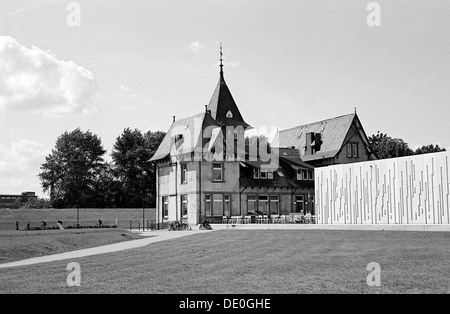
x,y
205,170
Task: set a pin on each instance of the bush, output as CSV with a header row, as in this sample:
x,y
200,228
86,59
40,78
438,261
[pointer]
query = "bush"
x,y
72,227
178,226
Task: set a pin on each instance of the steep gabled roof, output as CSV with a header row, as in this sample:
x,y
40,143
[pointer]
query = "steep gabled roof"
x,y
222,103
293,157
333,132
191,129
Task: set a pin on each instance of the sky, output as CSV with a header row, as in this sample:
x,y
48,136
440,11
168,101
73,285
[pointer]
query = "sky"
x,y
105,65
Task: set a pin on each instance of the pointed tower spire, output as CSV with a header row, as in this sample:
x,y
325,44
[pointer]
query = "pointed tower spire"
x,y
222,107
221,61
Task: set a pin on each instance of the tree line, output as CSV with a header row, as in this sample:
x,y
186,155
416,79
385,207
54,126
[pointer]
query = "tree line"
x,y
384,147
76,175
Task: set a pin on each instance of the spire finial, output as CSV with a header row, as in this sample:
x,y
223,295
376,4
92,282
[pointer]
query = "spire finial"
x,y
355,110
221,59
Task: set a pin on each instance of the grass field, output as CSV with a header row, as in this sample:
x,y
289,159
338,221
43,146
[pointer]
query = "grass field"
x,y
123,216
17,245
268,262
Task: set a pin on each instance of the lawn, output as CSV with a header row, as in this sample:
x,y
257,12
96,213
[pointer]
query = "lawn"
x,y
122,216
260,261
18,245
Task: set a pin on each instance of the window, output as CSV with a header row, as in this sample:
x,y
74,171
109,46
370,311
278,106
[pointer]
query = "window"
x,y
178,138
263,174
349,150
263,204
184,205
217,172
227,204
299,204
352,150
208,205
251,204
299,175
355,150
274,204
183,173
165,202
310,175
305,175
217,205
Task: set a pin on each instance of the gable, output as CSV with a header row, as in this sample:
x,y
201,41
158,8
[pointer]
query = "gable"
x,y
184,136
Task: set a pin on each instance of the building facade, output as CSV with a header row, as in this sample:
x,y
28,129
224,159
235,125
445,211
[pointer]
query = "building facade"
x,y
13,201
204,170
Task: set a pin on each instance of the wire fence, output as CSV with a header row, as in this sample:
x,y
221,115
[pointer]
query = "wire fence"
x,y
33,219
90,224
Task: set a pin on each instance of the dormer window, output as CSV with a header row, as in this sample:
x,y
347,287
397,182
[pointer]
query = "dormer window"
x,y
262,174
305,175
229,114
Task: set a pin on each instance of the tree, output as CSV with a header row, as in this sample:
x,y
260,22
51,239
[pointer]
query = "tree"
x,y
72,169
428,149
107,189
384,146
152,142
131,154
37,203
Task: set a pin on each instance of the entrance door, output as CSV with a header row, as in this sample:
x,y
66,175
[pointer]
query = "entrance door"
x,y
299,204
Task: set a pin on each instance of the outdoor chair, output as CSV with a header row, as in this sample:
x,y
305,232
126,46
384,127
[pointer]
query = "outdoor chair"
x,y
274,219
259,219
247,219
307,218
265,219
282,219
224,219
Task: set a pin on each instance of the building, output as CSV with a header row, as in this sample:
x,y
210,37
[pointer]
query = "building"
x,y
204,170
334,141
14,201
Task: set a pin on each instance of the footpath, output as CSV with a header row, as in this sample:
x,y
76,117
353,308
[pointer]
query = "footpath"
x,y
152,237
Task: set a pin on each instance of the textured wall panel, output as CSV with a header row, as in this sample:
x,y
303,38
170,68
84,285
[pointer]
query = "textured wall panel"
x,y
408,190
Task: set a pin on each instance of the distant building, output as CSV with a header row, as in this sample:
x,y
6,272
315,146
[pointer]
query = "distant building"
x,y
14,201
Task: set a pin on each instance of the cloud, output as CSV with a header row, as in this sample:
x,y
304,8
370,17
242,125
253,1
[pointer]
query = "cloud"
x,y
19,166
196,46
35,80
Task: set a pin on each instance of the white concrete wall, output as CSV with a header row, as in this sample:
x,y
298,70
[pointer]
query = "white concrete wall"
x,y
404,191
